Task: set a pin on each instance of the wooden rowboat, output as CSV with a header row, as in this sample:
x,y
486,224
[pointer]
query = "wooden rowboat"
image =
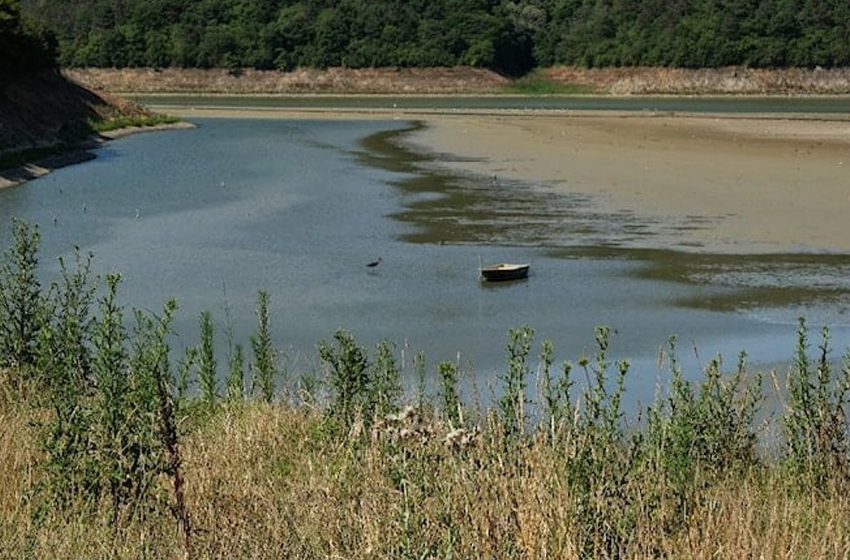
x,y
504,271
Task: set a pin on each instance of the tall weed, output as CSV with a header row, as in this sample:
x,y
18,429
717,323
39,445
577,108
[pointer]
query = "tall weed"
x,y
22,313
265,369
815,417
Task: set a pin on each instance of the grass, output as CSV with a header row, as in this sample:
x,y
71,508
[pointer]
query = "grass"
x,y
536,85
268,481
108,125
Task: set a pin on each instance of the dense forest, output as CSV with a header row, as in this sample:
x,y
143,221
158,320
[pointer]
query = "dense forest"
x,y
511,37
24,44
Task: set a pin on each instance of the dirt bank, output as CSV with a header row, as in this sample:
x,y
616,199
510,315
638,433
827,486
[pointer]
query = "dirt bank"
x,y
614,81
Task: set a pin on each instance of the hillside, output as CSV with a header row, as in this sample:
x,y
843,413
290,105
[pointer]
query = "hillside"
x,y
48,118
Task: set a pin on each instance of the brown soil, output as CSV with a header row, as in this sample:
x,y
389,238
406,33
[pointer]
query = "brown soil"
x,y
45,109
47,118
728,81
614,81
335,80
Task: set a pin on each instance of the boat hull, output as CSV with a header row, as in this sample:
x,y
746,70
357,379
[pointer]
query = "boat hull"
x,y
504,272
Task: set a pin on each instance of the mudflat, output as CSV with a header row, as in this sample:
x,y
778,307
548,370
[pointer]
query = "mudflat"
x,y
746,184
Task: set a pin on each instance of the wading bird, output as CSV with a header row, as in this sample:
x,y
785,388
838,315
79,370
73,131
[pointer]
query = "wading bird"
x,y
373,264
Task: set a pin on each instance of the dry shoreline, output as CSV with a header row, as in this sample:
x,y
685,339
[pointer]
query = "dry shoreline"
x,y
735,184
731,183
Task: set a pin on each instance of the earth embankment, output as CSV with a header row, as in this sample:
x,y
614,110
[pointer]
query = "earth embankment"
x,y
46,121
460,81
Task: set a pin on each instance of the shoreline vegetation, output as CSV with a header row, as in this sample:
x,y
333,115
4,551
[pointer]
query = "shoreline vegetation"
x,y
109,448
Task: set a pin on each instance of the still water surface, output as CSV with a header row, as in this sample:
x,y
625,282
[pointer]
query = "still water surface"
x,y
213,214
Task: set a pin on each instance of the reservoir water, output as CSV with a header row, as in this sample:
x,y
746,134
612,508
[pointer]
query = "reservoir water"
x,y
213,214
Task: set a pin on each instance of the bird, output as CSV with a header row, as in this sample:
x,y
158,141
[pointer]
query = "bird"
x,y
373,264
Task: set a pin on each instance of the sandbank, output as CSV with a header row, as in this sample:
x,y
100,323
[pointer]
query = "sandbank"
x,y
731,183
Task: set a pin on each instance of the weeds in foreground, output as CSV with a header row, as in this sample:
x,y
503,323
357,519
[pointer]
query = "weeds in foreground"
x,y
130,462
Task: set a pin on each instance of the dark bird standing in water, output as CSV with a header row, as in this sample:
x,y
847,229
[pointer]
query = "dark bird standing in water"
x,y
373,264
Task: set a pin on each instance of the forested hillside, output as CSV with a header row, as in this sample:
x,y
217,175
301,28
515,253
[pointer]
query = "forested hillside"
x,y
24,45
507,36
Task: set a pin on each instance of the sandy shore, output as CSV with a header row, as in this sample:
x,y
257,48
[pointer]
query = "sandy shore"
x,y
731,184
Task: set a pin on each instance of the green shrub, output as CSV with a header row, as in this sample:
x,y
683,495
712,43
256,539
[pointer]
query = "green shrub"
x,y
264,370
208,373
514,399
349,375
22,312
815,418
449,398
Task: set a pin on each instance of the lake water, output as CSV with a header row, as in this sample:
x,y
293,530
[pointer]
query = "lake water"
x,y
213,214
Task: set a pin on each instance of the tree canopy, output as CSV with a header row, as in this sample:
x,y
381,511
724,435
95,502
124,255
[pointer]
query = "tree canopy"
x,y
509,36
24,45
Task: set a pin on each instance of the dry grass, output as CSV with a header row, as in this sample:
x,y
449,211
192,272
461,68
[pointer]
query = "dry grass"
x,y
459,81
307,80
274,481
681,81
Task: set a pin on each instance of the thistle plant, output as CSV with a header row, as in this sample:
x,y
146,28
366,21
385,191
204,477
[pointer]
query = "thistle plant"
x,y
448,393
349,375
815,419
385,390
513,401
264,370
208,373
235,388
21,304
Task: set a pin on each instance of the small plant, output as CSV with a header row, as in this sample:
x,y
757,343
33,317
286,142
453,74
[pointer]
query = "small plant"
x,y
385,390
349,375
815,421
448,394
261,342
555,395
208,374
150,361
420,374
22,313
513,401
236,377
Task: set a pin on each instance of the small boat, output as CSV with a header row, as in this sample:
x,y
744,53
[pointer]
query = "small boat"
x,y
504,271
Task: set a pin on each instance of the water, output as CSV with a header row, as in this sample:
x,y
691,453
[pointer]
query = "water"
x,y
211,215
675,103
